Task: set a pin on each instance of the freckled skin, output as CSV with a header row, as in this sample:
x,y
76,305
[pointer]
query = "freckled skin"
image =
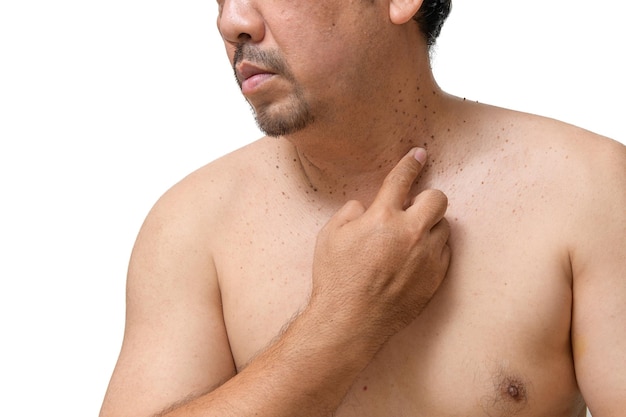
x,y
458,340
460,329
530,311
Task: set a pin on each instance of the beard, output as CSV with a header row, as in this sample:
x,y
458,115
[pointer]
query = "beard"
x,y
276,119
288,119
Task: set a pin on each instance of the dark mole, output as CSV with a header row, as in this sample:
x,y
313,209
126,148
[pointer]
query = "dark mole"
x,y
364,387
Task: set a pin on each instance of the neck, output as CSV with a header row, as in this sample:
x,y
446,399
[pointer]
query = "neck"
x,y
349,160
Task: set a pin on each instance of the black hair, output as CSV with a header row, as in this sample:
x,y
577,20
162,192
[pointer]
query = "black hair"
x,y
431,16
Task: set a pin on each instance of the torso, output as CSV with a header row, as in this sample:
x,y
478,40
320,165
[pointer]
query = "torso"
x,y
495,339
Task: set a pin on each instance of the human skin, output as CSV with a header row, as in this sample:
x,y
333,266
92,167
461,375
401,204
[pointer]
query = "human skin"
x,y
245,298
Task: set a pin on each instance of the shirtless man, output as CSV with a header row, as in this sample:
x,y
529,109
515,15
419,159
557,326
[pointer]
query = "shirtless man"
x,y
303,275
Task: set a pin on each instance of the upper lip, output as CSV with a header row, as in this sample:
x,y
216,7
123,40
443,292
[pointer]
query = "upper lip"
x,y
246,70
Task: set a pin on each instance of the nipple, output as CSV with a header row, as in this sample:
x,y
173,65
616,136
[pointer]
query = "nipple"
x,y
513,389
510,394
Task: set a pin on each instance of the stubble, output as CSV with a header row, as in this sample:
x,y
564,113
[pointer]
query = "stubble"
x,y
276,119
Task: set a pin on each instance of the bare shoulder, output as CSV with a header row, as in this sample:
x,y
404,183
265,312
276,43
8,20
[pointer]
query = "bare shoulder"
x,y
574,178
577,143
174,322
573,157
583,162
213,189
585,176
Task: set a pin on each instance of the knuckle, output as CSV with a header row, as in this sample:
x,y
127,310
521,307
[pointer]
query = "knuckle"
x,y
398,178
353,205
353,208
404,172
432,201
381,217
436,196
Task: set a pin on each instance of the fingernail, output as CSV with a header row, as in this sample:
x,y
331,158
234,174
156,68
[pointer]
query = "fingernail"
x,y
420,155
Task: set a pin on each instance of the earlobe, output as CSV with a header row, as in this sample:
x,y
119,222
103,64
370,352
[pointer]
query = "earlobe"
x,y
401,11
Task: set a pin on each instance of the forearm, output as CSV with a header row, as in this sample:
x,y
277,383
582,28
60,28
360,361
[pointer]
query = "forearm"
x,y
305,372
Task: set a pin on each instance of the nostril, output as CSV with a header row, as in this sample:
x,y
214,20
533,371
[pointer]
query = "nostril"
x,y
240,21
244,37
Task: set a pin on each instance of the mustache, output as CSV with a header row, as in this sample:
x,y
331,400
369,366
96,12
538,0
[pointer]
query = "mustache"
x,y
270,60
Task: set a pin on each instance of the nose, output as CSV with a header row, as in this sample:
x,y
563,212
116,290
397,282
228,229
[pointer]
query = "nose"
x,y
239,21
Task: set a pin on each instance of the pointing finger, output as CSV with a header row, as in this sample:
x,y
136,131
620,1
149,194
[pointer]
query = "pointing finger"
x,y
399,181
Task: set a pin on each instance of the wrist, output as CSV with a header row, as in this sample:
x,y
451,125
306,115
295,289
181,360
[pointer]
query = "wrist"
x,y
344,340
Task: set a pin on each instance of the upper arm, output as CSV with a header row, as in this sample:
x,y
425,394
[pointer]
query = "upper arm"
x,y
599,284
175,343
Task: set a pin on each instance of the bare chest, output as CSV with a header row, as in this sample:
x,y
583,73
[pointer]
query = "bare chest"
x,y
493,341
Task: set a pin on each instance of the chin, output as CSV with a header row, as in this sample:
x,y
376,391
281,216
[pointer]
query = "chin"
x,y
286,122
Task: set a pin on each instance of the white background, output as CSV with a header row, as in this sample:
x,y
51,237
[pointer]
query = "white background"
x,y
106,104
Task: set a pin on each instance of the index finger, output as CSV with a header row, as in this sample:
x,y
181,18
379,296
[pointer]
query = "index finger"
x,y
398,182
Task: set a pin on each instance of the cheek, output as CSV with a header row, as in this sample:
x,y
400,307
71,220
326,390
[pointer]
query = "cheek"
x,y
313,54
312,22
328,44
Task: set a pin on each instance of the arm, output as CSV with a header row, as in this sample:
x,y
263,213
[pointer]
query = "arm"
x,y
175,343
373,273
599,283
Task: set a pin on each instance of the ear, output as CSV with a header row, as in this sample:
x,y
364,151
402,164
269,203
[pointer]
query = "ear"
x,y
401,11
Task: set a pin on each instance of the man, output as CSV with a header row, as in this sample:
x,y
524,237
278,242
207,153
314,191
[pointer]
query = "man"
x,y
320,272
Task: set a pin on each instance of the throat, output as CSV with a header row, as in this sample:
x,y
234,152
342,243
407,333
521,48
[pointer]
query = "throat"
x,y
355,177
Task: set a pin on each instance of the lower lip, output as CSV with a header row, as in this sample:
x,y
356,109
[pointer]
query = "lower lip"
x,y
252,84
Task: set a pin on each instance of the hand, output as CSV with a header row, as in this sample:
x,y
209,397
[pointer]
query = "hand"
x,y
376,269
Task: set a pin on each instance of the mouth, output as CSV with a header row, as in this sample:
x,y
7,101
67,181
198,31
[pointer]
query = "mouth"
x,y
250,76
244,71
